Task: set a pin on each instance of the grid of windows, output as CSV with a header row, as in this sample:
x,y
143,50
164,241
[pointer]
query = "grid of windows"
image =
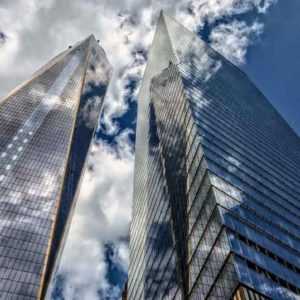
x,y
243,293
37,137
151,207
212,181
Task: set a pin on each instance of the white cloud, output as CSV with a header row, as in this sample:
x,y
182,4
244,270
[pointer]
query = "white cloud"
x,y
102,216
211,10
122,255
263,6
233,39
83,267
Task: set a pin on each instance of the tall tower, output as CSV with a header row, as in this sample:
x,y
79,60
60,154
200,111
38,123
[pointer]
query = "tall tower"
x,y
217,181
47,125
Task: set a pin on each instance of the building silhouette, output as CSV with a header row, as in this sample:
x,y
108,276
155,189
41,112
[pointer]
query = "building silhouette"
x,y
217,181
47,125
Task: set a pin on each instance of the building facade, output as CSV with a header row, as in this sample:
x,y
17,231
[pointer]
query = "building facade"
x,y
217,181
47,125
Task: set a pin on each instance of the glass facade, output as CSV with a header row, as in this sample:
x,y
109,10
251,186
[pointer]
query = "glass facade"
x,y
47,125
216,192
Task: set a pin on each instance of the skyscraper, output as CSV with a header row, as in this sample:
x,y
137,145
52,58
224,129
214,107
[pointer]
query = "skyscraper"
x,y
47,125
217,181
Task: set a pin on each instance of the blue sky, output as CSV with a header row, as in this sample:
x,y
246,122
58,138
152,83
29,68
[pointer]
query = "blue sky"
x,y
273,63
261,36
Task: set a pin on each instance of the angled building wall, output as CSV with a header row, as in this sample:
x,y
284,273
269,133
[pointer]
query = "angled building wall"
x,y
217,190
47,125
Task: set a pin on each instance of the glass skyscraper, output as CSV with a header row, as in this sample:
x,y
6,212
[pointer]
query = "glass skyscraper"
x,y
47,125
216,212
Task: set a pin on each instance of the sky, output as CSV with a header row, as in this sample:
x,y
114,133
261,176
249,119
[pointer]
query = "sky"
x,y
262,37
